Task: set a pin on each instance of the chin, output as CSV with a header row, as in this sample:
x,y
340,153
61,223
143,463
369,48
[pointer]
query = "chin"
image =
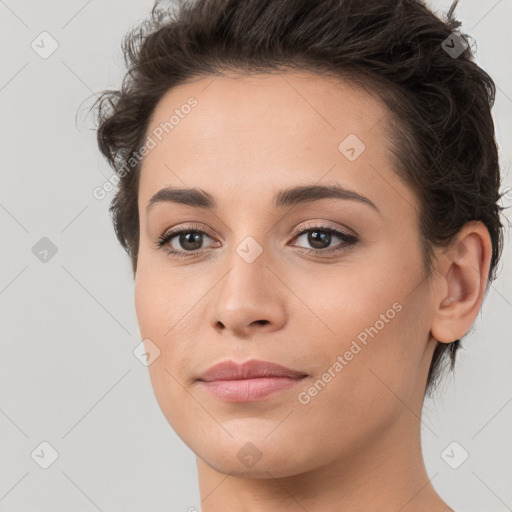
x,y
279,465
254,456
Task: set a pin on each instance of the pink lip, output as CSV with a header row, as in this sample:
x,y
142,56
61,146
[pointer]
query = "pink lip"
x,y
249,381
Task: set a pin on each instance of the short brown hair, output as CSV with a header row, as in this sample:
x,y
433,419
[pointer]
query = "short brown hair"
x,y
439,98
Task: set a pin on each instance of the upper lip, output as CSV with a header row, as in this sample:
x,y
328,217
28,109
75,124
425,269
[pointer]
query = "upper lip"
x,y
254,368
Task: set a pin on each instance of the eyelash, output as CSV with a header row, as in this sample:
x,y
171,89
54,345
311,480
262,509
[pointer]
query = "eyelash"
x,y
348,240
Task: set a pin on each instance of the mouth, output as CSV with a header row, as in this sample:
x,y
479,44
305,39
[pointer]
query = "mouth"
x,y
248,382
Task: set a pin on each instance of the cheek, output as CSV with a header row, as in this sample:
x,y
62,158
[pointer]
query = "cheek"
x,y
158,313
169,317
374,335
155,318
365,375
160,302
148,302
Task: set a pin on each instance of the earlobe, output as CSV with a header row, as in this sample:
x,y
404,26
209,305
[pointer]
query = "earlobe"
x,y
461,274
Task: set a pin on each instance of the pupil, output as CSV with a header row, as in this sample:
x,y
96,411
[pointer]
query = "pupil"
x,y
191,237
314,236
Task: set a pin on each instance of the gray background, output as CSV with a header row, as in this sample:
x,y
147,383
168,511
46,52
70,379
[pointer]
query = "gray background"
x,y
68,373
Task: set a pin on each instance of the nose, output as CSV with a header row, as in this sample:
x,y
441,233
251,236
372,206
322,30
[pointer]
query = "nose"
x,y
249,299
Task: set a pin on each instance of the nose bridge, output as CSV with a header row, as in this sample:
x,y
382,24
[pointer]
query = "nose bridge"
x,y
249,273
250,236
248,293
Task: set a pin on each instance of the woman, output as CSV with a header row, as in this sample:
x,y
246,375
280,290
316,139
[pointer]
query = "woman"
x,y
308,193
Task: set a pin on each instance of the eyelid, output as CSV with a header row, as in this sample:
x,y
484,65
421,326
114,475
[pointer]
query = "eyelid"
x,y
348,237
348,240
179,229
323,225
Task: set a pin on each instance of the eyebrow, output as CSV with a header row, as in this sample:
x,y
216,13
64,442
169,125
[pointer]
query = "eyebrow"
x,y
289,197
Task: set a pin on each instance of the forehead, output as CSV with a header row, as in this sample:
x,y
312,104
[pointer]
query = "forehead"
x,y
259,131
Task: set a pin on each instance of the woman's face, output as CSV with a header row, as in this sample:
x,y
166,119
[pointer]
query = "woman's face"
x,y
268,279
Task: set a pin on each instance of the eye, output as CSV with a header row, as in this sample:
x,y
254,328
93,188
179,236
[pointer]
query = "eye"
x,y
183,242
320,238
188,241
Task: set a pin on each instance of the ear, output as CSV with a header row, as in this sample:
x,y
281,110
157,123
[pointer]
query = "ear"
x,y
461,275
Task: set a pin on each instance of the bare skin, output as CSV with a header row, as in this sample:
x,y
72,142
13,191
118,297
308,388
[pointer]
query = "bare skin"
x,y
354,444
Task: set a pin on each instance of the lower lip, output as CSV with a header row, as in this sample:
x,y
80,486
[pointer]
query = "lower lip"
x,y
248,390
